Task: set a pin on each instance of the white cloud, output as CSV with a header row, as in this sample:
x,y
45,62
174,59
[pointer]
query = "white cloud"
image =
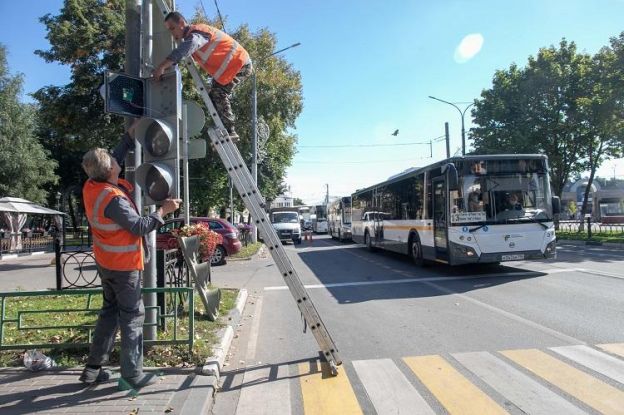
x,y
468,48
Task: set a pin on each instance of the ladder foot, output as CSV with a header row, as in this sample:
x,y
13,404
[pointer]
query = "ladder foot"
x,y
333,368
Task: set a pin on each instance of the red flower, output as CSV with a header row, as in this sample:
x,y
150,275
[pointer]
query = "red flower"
x,y
208,240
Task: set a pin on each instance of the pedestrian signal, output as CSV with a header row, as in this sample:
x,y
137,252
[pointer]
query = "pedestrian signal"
x,y
124,95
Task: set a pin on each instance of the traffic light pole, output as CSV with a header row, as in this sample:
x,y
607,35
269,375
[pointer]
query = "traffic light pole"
x,y
149,271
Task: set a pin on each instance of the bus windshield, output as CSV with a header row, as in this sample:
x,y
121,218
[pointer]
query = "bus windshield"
x,y
501,196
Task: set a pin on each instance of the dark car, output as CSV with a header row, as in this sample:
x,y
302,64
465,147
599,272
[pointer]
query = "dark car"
x,y
231,243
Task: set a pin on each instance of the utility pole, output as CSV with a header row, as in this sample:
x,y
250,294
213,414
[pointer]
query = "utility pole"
x,y
448,140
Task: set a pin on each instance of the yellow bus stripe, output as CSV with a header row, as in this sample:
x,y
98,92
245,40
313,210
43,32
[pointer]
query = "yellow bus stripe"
x,y
324,394
615,348
594,392
450,387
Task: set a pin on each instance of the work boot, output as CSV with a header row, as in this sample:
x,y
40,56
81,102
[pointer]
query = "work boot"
x,y
136,382
92,375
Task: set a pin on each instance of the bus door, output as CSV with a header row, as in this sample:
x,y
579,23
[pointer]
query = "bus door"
x,y
440,218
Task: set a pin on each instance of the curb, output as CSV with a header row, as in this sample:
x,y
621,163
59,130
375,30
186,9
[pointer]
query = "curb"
x,y
254,256
23,255
213,364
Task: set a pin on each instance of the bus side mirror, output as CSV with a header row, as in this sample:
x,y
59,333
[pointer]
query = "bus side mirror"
x,y
451,177
556,205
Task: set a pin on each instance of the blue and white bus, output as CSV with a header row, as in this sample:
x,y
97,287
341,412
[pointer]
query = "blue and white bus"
x,y
471,209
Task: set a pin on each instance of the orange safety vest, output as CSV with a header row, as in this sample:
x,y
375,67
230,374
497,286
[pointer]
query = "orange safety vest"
x,y
114,247
221,57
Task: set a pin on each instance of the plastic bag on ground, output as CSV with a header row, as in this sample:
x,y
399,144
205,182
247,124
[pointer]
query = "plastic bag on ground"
x,y
35,361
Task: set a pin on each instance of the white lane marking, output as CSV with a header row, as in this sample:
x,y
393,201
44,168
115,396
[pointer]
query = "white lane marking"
x,y
253,334
388,389
526,393
427,279
262,394
595,360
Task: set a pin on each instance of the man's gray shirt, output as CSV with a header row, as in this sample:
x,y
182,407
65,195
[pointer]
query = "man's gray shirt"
x,y
190,43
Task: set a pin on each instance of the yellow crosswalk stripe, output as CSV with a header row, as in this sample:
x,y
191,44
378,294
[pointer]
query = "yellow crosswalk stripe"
x,y
594,392
451,388
615,348
324,394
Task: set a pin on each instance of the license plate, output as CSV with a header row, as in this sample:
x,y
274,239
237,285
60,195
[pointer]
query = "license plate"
x,y
516,257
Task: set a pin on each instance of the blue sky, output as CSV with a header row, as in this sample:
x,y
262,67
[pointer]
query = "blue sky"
x,y
368,68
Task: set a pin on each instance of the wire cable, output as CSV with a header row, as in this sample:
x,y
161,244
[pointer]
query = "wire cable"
x,y
413,143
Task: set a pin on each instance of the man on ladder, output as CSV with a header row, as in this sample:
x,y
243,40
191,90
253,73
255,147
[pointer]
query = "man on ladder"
x,y
217,53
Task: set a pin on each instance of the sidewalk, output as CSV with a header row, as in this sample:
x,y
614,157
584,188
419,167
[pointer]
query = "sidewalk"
x,y
179,391
58,391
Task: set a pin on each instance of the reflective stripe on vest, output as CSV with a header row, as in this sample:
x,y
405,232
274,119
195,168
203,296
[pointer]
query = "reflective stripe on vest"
x,y
226,61
204,55
96,208
117,248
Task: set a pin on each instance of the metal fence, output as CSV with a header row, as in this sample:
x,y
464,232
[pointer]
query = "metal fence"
x,y
610,228
23,325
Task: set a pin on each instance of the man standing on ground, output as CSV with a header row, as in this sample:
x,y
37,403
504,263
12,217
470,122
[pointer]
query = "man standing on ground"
x,y
118,246
217,53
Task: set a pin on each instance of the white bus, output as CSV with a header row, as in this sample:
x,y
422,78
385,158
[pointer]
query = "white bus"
x,y
339,219
484,209
319,219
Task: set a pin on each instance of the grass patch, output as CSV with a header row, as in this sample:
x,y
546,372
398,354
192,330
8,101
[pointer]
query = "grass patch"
x,y
596,236
78,310
248,251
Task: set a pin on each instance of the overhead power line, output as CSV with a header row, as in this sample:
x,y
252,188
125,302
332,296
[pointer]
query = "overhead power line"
x,y
358,161
412,143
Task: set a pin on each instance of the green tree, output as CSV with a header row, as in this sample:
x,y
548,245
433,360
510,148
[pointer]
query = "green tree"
x,y
536,110
25,167
89,36
602,111
298,202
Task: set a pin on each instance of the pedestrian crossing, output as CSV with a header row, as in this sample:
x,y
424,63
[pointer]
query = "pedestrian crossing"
x,y
571,380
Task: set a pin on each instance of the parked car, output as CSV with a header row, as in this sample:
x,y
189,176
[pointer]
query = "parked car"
x,y
231,244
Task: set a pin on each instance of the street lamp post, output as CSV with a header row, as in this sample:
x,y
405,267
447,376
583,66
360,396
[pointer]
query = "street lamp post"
x,y
254,127
462,113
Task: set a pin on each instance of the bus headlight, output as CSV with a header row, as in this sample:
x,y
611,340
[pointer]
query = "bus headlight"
x,y
463,251
551,248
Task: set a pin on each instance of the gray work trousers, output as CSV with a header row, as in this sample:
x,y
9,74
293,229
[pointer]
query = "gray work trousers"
x,y
122,309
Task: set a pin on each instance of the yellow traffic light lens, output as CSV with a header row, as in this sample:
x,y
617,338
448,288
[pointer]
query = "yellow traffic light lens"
x,y
157,141
157,185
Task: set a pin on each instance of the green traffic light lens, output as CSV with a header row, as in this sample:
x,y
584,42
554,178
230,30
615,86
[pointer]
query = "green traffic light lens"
x,y
157,141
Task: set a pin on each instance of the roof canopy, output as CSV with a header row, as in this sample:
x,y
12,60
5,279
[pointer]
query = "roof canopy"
x,y
17,205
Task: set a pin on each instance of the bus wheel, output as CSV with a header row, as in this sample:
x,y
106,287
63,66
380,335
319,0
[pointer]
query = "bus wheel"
x,y
416,252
